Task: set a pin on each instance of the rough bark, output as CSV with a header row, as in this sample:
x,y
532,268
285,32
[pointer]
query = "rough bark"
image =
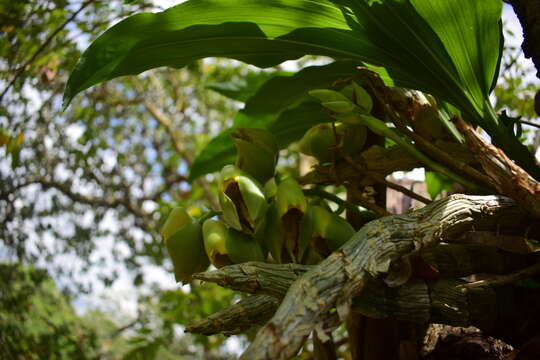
x,y
418,301
509,179
237,318
449,261
444,342
377,250
381,253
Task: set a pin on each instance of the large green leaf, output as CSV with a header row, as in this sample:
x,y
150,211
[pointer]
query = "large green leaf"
x,y
389,33
241,89
292,124
257,32
469,31
451,47
220,151
417,45
265,33
410,44
266,109
288,127
282,92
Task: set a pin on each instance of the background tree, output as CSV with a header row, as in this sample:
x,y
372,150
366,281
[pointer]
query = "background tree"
x,y
98,160
82,192
137,188
37,321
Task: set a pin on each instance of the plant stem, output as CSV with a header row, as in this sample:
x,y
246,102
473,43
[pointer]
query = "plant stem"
x,y
401,189
530,123
509,143
382,180
502,280
209,215
343,203
379,127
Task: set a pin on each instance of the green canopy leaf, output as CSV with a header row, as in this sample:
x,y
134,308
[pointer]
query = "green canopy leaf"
x,y
261,33
266,107
288,127
282,92
470,33
437,183
243,88
220,151
416,47
449,48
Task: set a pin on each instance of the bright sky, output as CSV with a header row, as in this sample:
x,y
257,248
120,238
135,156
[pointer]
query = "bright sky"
x,y
164,4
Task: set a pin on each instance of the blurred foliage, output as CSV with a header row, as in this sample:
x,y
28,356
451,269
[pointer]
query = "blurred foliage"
x,y
37,321
515,90
82,193
158,335
517,84
109,167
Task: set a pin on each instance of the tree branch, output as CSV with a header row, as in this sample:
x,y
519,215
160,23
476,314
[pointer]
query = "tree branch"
x,y
65,188
381,180
448,260
507,177
506,279
339,201
179,147
169,181
388,100
377,250
43,46
375,160
237,318
442,301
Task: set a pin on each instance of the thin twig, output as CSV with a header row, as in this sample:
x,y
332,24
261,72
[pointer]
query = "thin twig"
x,y
401,189
364,203
121,329
383,181
142,218
530,123
513,61
179,147
169,182
502,280
43,46
426,145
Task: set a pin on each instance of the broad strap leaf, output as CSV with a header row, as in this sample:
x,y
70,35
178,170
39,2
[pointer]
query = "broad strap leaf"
x,y
241,89
281,105
470,33
388,33
288,127
245,30
282,92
